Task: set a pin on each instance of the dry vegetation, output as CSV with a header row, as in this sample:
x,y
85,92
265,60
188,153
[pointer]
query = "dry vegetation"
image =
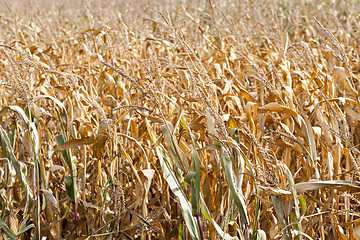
x,y
196,119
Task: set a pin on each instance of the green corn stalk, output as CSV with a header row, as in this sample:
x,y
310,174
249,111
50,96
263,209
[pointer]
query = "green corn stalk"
x,y
168,174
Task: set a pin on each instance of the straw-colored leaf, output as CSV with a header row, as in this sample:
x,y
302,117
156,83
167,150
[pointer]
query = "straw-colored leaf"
x,y
318,184
75,143
277,107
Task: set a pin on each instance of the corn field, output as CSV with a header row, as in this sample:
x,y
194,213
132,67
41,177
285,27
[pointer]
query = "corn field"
x,y
179,119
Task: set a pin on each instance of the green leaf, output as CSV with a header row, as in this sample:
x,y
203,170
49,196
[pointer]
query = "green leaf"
x,y
25,229
69,185
20,168
280,215
65,154
188,178
12,133
296,200
206,213
195,195
7,230
176,153
170,178
239,200
197,181
303,204
167,170
181,232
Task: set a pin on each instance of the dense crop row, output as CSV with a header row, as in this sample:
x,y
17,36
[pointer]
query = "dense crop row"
x,y
195,119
